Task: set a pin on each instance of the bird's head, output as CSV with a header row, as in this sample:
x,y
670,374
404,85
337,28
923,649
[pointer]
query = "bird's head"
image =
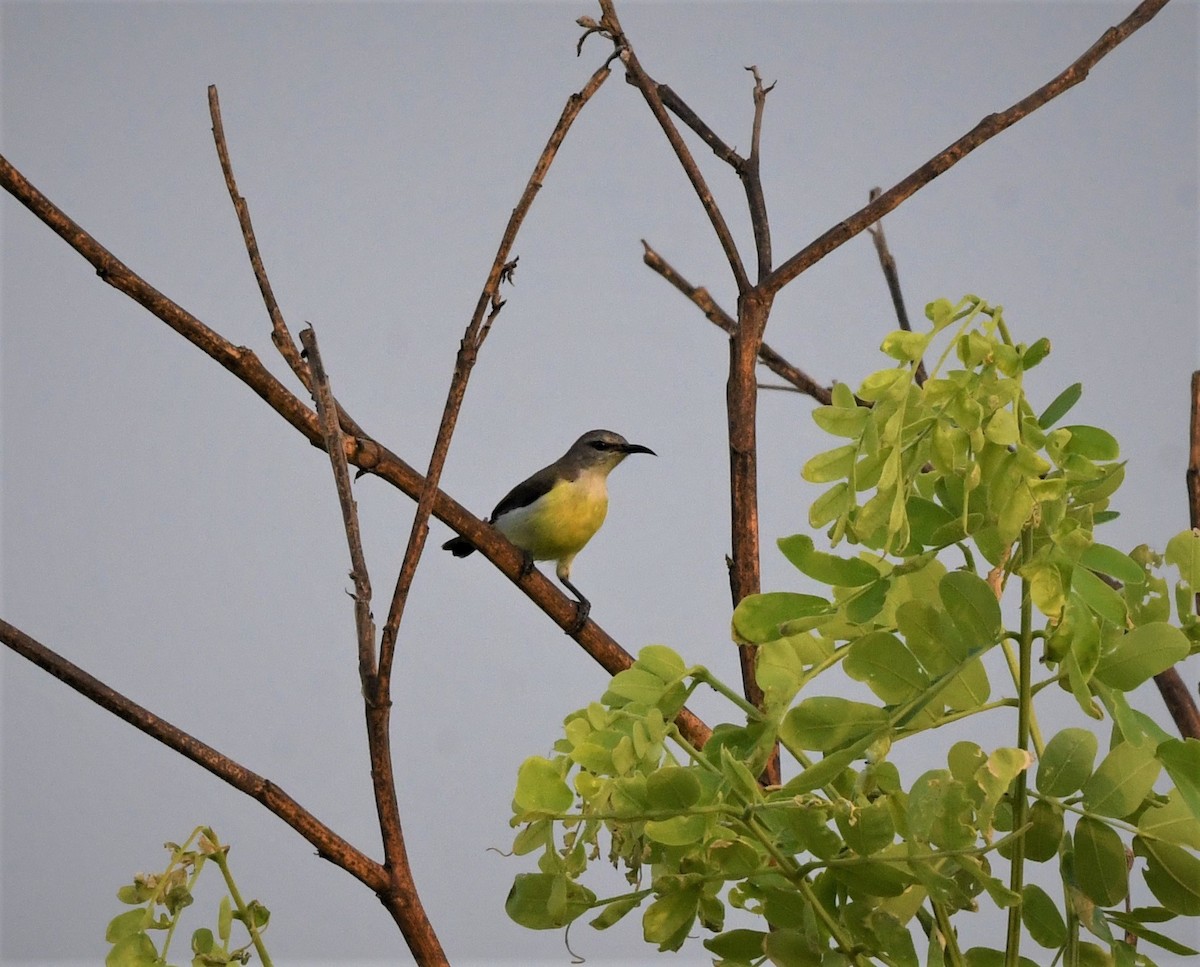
x,y
604,449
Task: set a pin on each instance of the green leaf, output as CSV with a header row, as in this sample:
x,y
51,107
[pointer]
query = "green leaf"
x,y
136,950
1172,821
972,606
1122,781
826,722
1100,862
844,421
1099,596
662,662
1092,442
1037,350
124,925
614,911
1182,760
740,945
1066,762
202,941
1183,550
888,668
833,464
678,830
668,919
835,502
541,787
1042,918
758,617
790,948
904,345
867,602
1110,561
1002,428
546,901
1173,875
1060,405
830,569
1141,654
224,919
672,787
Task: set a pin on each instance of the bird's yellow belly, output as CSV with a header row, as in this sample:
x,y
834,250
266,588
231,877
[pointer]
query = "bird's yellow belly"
x,y
558,524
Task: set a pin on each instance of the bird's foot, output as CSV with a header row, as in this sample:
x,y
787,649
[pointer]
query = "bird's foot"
x,y
583,608
526,564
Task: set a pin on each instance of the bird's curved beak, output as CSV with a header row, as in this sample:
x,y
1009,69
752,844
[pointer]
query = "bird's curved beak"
x,y
637,448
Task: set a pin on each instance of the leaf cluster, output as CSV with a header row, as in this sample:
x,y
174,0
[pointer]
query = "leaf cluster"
x,y
951,489
159,899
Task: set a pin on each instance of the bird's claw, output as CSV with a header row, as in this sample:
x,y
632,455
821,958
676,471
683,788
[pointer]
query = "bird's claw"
x,y
526,564
582,610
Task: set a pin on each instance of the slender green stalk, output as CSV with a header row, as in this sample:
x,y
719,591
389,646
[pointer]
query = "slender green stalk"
x,y
1012,951
245,913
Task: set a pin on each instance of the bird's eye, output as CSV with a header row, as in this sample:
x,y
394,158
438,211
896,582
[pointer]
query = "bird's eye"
x,y
601,445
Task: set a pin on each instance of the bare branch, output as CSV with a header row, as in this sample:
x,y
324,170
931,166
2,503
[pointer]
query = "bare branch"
x,y
476,332
643,82
361,450
985,130
1179,700
891,275
280,335
328,844
752,181
702,299
331,431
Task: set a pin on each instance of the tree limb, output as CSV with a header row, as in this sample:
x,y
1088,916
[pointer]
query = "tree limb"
x,y
364,452
329,845
985,130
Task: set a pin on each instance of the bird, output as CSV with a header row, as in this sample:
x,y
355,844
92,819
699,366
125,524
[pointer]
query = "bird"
x,y
553,514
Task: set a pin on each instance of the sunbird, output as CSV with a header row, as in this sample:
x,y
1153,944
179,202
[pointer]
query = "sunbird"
x,y
554,513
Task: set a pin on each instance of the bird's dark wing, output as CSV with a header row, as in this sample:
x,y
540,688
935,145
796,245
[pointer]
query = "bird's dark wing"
x,y
526,492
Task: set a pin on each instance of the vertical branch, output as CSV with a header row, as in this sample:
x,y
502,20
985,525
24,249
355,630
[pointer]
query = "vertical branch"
x,y
752,180
741,401
400,896
1179,701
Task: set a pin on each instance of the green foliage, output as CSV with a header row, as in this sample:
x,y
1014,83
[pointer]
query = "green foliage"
x,y
954,495
159,899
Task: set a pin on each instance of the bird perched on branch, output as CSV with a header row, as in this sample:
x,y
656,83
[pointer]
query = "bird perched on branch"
x,y
553,514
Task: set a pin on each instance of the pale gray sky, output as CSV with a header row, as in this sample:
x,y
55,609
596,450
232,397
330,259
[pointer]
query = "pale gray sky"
x,y
167,532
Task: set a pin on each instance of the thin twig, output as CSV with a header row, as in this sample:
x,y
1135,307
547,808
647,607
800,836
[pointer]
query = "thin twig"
x,y
280,335
331,430
891,275
643,82
800,381
752,180
984,131
476,332
367,454
329,845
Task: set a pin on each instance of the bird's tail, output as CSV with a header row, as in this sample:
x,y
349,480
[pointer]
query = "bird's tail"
x,y
459,546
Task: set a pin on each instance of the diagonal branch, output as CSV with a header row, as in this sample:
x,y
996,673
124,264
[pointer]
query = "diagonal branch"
x,y
361,450
329,845
637,76
476,332
985,130
704,301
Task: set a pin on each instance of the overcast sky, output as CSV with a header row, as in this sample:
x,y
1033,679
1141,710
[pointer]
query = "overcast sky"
x,y
166,531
